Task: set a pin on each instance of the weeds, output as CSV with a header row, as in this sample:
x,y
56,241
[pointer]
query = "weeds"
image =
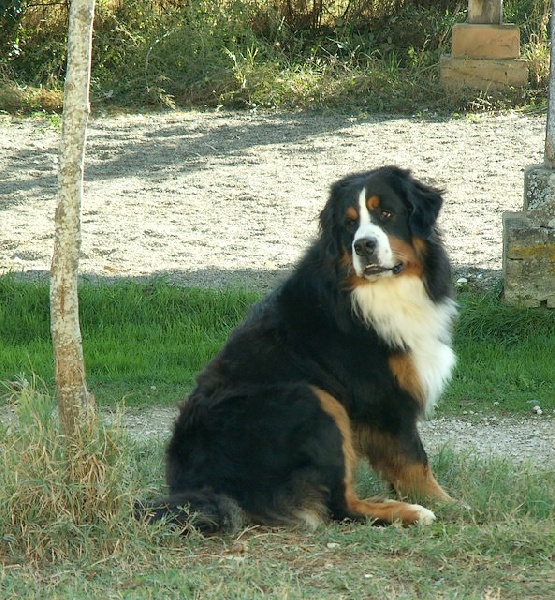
x,y
60,500
379,56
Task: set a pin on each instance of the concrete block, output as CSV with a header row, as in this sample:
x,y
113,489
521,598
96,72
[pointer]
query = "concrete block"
x,y
483,74
539,191
528,261
485,41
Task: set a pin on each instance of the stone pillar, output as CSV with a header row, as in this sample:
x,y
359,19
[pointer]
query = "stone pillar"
x,y
485,53
485,11
529,236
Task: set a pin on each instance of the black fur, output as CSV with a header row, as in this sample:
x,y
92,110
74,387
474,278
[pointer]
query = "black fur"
x,y
253,437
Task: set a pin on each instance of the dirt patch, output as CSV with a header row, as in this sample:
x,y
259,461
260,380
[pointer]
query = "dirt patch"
x,y
219,198
214,199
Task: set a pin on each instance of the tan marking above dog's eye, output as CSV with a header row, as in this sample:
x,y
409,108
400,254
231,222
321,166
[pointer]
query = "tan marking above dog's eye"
x,y
372,203
352,216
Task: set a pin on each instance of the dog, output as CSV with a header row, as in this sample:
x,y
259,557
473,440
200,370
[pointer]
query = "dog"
x,y
337,364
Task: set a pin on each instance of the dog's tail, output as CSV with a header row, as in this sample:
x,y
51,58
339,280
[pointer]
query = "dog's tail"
x,y
205,511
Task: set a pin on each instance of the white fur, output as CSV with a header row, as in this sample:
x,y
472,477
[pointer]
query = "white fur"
x,y
425,516
401,311
311,519
368,229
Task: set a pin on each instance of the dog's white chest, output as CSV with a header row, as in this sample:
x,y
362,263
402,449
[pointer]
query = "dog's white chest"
x,y
402,313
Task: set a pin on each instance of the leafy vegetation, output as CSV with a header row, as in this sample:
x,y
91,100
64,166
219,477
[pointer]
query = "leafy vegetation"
x,y
373,55
146,342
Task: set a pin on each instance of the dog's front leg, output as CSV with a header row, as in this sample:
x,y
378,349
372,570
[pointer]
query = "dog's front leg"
x,y
400,460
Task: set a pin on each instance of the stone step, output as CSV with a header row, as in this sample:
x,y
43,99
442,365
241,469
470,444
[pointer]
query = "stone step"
x,y
483,74
485,41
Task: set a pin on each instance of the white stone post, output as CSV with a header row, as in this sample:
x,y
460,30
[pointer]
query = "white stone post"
x,y
485,11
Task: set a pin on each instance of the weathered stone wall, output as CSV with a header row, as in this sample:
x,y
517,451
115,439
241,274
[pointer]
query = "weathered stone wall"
x,y
528,261
529,243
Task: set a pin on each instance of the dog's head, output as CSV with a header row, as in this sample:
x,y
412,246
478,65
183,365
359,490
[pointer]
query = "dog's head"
x,y
379,222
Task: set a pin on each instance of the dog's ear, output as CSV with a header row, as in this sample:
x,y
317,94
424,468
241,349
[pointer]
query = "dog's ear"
x,y
328,228
424,204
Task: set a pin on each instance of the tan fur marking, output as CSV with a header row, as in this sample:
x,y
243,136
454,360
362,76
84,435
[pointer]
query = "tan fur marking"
x,y
409,255
379,510
407,376
419,246
372,202
353,279
345,259
388,511
338,413
352,213
418,481
386,457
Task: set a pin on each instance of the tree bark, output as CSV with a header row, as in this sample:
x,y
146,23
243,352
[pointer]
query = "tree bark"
x,y
74,400
549,154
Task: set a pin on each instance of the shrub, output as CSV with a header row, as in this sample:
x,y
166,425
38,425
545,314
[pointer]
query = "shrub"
x,y
243,53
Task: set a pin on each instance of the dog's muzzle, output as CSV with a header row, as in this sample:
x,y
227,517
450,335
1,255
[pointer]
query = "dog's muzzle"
x,y
367,249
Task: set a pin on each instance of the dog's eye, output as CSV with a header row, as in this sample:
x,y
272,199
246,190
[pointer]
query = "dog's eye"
x,y
351,222
385,215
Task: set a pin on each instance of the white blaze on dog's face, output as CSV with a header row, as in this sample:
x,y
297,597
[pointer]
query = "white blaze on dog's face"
x,y
371,249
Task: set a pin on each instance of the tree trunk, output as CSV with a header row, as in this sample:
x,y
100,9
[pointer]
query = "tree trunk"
x,y
549,154
74,400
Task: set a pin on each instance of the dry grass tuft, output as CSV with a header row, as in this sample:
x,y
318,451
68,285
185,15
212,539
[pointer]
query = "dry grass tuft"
x,y
60,499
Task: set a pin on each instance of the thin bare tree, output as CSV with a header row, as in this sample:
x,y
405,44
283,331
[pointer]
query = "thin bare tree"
x,y
74,400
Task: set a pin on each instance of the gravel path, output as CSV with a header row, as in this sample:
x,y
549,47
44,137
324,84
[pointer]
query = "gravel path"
x,y
214,198
222,198
520,440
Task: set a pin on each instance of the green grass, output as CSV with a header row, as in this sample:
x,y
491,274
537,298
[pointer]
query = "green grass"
x,y
66,527
66,531
145,342
505,357
142,342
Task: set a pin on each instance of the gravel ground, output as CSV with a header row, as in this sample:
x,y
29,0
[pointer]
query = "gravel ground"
x,y
221,198
520,440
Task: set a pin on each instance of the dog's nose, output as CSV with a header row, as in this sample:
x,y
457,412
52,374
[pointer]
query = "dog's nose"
x,y
365,246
